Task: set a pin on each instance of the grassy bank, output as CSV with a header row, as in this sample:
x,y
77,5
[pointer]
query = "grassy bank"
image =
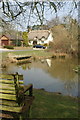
x,y
30,53
51,105
33,53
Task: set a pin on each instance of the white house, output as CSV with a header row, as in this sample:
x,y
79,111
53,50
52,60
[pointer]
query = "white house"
x,y
40,37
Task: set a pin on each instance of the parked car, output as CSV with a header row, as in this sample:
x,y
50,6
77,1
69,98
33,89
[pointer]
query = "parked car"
x,y
39,46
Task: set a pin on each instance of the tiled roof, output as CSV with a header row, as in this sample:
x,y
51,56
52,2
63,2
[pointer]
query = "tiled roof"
x,y
4,37
12,36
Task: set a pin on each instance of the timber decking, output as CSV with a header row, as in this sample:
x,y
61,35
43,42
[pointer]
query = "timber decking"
x,y
10,96
19,58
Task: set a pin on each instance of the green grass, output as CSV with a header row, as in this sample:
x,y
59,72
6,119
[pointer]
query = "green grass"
x,y
51,105
39,53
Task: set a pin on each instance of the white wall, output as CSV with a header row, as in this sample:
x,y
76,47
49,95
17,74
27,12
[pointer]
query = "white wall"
x,y
30,43
49,39
0,42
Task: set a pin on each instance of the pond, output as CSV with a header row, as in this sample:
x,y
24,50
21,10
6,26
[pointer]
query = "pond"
x,y
57,76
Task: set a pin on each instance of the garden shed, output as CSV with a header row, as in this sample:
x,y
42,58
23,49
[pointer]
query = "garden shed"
x,y
4,40
11,39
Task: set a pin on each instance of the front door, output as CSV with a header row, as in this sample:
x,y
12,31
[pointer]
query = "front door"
x,y
35,42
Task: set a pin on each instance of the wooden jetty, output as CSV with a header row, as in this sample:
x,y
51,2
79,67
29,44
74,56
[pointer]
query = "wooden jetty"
x,y
23,59
19,58
59,55
15,99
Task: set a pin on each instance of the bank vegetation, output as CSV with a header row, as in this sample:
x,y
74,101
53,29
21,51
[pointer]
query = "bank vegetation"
x,y
66,38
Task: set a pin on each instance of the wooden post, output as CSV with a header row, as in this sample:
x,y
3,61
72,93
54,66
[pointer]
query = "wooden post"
x,y
17,79
16,82
31,90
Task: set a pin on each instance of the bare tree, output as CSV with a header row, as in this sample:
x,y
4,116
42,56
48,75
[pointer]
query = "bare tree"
x,y
53,22
12,9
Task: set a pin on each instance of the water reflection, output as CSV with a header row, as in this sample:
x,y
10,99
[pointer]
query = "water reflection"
x,y
56,77
63,70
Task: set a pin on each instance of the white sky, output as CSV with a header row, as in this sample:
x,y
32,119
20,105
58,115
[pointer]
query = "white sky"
x,y
64,11
61,13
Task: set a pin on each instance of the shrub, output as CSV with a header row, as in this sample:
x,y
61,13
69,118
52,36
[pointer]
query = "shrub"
x,y
16,42
9,47
45,44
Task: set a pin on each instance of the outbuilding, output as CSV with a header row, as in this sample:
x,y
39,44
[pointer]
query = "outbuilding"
x,y
4,40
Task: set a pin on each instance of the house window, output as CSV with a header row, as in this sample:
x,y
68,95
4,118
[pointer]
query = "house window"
x,y
43,37
34,42
42,41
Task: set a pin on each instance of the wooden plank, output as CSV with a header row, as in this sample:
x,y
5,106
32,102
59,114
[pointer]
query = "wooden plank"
x,y
10,108
8,103
4,76
7,81
21,81
8,96
17,108
5,115
7,91
28,101
6,85
20,77
7,88
10,81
